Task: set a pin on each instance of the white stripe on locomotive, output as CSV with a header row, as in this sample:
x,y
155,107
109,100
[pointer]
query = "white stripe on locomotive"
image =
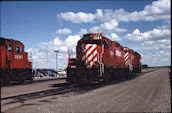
x,y
90,53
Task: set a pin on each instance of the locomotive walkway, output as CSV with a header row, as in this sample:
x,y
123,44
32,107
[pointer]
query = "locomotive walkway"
x,y
149,92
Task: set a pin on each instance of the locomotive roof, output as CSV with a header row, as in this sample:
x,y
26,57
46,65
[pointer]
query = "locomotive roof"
x,y
103,37
13,41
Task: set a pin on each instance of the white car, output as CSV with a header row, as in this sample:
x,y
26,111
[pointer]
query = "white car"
x,y
61,73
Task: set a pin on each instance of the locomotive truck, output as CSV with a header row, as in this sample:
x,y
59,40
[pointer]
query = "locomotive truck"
x,y
100,59
14,64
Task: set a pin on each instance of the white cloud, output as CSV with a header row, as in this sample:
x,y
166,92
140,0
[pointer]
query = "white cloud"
x,y
157,58
155,34
155,45
158,7
106,27
64,31
99,13
120,30
82,31
71,40
158,10
137,36
45,49
156,39
165,60
57,42
114,37
77,17
29,50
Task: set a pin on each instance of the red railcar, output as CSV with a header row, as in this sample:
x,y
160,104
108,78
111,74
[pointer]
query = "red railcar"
x,y
14,64
98,58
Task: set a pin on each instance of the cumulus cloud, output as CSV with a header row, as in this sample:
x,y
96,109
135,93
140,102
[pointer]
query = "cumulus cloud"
x,y
164,44
82,31
158,10
157,58
155,34
64,31
137,36
155,45
114,37
71,40
77,17
46,51
155,39
120,30
107,27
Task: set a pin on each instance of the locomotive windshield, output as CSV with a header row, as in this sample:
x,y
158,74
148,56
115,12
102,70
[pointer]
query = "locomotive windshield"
x,y
86,37
98,42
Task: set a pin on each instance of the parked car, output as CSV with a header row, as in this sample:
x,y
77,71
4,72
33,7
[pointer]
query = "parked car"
x,y
61,73
39,74
51,74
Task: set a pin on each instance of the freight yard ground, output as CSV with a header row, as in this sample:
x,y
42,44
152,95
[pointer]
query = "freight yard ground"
x,y
149,92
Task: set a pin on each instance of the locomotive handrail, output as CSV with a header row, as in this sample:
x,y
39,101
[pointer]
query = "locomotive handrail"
x,y
100,62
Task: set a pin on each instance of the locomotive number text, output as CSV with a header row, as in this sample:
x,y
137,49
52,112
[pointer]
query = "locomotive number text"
x,y
18,57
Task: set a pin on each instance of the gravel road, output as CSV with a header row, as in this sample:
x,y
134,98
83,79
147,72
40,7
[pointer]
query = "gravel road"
x,y
149,92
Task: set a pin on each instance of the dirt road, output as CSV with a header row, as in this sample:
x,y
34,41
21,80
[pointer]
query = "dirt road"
x,y
149,92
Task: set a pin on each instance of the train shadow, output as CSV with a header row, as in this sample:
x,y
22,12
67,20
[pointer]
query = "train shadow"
x,y
86,87
61,88
83,88
15,83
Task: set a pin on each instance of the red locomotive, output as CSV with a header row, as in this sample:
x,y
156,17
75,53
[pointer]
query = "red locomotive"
x,y
100,59
14,64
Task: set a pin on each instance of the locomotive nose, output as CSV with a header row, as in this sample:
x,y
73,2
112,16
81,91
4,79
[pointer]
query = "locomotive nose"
x,y
89,54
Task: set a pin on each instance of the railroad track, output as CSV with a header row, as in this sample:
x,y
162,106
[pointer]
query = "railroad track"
x,y
20,98
34,81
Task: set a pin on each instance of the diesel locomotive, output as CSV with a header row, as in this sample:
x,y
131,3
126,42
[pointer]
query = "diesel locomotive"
x,y
100,59
14,64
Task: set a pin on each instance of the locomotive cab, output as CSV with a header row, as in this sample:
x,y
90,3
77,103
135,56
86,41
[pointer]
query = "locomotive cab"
x,y
14,64
88,50
88,58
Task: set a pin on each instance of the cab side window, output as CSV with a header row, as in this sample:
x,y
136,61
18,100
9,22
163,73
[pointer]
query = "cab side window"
x,y
18,49
105,42
9,47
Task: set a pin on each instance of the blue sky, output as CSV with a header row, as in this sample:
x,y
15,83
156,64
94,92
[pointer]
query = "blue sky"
x,y
143,26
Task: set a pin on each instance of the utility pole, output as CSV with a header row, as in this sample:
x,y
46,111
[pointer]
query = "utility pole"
x,y
47,56
56,61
